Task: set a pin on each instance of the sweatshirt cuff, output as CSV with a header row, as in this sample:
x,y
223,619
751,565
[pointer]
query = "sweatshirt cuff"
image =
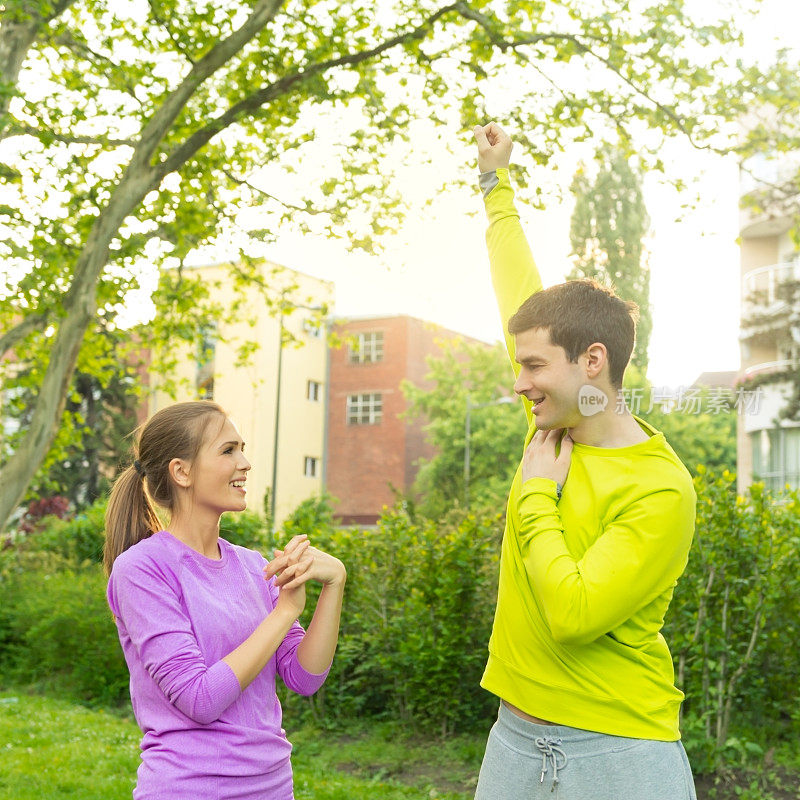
x,y
500,199
542,487
487,181
221,690
300,680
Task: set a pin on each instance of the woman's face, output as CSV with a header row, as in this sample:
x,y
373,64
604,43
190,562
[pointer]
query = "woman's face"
x,y
219,471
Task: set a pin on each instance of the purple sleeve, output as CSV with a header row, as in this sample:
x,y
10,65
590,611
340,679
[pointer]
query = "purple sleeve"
x,y
148,607
291,671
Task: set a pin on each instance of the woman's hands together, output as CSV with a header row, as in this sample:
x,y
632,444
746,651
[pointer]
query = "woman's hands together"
x,y
299,563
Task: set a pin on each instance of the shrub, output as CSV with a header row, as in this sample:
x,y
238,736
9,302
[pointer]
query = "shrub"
x,y
56,629
734,611
418,610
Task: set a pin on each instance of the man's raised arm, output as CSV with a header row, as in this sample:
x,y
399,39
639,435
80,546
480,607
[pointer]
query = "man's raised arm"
x,y
514,272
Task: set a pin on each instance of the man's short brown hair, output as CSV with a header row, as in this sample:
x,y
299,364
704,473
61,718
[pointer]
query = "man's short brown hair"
x,y
577,314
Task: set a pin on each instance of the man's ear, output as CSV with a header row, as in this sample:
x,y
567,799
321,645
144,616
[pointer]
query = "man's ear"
x,y
180,472
596,359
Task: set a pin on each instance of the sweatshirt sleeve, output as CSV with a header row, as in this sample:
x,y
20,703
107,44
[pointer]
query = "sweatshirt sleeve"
x,y
147,606
637,557
514,274
292,673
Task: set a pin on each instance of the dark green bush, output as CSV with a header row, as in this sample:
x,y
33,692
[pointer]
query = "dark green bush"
x,y
78,539
733,619
418,611
417,616
246,529
56,630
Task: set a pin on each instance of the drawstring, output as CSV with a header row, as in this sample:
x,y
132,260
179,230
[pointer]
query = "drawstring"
x,y
550,748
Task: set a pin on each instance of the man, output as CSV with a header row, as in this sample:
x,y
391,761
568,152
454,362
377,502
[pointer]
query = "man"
x,y
599,523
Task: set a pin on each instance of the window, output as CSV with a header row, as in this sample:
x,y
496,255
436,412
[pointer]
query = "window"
x,y
776,457
311,466
364,409
313,391
368,348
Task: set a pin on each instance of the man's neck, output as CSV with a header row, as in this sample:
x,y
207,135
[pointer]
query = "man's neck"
x,y
610,429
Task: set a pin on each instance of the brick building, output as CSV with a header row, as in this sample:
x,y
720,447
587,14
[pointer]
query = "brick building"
x,y
372,451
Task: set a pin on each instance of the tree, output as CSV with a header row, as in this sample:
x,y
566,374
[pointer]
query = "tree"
x,y
607,227
133,132
477,374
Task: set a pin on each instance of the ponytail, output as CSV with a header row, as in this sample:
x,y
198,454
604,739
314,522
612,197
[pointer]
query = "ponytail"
x,y
130,516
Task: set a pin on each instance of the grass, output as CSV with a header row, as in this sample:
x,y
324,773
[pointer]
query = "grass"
x,y
52,748
56,749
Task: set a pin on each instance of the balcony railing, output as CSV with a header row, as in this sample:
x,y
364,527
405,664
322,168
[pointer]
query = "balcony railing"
x,y
760,286
768,367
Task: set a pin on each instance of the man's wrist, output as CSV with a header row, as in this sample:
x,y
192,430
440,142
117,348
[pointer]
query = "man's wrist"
x,y
488,180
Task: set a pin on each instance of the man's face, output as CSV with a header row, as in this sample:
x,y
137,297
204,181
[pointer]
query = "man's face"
x,y
548,379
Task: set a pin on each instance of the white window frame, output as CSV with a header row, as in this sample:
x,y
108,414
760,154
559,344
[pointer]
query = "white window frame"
x,y
313,391
310,465
368,348
365,408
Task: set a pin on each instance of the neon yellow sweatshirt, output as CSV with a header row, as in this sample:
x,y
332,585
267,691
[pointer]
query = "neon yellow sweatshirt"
x,y
585,581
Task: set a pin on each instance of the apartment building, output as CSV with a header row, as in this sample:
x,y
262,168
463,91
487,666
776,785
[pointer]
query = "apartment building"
x,y
768,446
277,397
372,450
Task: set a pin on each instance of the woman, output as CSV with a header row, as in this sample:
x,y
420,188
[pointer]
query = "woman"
x,y
205,625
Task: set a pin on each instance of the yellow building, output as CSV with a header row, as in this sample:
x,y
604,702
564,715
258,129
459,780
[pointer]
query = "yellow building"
x,y
768,446
283,384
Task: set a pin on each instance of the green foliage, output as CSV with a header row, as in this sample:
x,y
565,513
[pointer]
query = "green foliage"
x,y
56,630
247,529
608,225
477,374
734,612
418,610
78,539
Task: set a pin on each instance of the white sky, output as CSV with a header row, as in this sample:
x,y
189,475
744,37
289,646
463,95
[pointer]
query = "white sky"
x,y
437,269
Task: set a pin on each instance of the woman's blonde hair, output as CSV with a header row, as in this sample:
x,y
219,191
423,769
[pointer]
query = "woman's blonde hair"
x,y
177,431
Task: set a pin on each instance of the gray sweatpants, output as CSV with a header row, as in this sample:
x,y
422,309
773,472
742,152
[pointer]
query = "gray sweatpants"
x,y
524,761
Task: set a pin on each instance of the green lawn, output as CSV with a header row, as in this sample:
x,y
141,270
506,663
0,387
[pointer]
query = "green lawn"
x,y
55,749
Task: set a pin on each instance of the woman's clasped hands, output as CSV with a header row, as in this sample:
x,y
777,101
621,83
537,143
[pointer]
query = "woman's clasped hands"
x,y
298,563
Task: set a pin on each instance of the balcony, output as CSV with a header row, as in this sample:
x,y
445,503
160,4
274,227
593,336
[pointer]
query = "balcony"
x,y
759,176
765,308
764,404
767,368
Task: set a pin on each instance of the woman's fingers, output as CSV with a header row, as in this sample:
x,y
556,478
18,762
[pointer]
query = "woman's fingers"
x,y
295,569
291,554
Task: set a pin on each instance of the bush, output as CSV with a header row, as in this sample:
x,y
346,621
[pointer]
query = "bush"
x,y
418,611
734,611
56,630
246,529
79,539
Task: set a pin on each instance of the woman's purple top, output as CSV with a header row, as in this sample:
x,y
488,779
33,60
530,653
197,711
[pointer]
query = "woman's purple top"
x,y
178,613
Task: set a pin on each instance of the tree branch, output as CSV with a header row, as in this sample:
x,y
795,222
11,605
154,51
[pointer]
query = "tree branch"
x,y
19,332
159,123
263,193
168,30
283,85
20,129
513,44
